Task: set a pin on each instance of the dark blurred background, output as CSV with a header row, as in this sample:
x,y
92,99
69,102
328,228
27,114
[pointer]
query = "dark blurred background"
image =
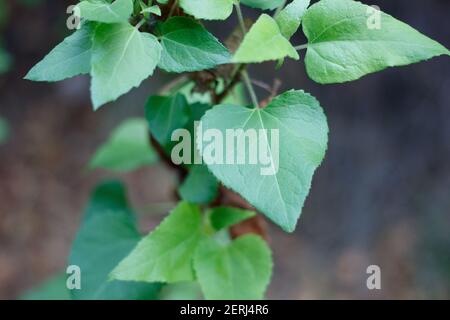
x,y
381,197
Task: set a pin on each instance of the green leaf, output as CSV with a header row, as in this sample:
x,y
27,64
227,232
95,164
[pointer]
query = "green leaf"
x,y
54,288
345,44
289,19
70,58
107,234
152,9
200,186
127,149
166,254
225,217
208,9
264,42
188,46
103,11
166,114
263,4
240,270
303,136
122,58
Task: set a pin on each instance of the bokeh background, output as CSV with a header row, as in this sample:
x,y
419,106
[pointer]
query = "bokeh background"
x,y
381,197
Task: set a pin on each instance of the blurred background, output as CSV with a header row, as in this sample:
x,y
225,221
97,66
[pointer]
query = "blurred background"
x,y
382,195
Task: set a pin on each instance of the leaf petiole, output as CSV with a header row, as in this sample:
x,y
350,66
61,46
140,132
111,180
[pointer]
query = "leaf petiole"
x,y
301,47
140,24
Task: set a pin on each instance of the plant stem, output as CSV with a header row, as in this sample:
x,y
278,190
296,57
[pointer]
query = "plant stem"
x,y
140,24
235,79
244,72
301,47
240,17
174,85
250,89
172,9
280,8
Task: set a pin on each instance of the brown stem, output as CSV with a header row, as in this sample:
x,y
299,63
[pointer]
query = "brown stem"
x,y
236,78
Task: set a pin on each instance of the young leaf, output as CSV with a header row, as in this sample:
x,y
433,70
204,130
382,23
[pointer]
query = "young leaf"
x,y
103,11
122,58
165,114
200,186
290,17
347,40
225,217
5,61
263,4
240,270
303,136
188,46
264,42
152,9
69,58
208,9
166,254
128,148
107,234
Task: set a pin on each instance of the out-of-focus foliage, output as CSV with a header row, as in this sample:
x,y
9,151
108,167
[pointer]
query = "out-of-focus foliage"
x,y
4,130
53,289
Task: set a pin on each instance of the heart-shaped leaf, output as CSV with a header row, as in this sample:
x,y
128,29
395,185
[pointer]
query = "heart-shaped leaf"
x,y
238,270
122,57
166,254
303,135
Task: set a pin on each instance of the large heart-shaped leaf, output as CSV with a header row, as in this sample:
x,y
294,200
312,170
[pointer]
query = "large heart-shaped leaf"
x,y
303,135
238,270
347,40
122,57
